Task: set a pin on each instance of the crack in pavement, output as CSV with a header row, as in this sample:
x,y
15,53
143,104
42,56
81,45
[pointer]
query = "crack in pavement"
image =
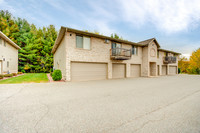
x,y
149,121
42,117
9,97
155,110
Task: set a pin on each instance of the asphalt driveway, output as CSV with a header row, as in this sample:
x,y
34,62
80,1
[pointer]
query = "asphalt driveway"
x,y
168,104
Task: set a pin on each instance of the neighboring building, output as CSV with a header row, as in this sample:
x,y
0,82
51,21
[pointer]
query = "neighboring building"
x,y
83,56
8,55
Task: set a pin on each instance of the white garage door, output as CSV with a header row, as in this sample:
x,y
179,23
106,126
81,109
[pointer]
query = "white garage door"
x,y
118,70
172,69
135,70
81,71
164,70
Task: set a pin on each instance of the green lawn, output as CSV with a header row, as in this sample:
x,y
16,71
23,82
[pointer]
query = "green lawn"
x,y
27,78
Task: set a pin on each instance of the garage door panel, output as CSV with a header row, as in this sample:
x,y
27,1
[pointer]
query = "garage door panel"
x,y
135,70
164,70
118,70
173,69
88,71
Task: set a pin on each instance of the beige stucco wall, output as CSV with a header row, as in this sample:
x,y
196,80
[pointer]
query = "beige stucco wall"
x,y
100,53
60,58
10,54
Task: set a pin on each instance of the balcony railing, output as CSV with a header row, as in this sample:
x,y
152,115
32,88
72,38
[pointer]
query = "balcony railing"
x,y
169,59
120,54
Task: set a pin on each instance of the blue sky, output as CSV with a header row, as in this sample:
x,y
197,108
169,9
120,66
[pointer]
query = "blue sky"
x,y
174,23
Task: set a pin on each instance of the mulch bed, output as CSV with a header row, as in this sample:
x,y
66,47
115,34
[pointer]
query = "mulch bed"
x,y
11,77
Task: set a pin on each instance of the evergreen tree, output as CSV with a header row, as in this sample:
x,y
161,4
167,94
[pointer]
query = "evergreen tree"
x,y
36,44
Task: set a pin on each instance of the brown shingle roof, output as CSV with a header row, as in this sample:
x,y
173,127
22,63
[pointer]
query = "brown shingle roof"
x,y
146,42
64,29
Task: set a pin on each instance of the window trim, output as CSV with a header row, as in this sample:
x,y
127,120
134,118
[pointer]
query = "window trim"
x,y
134,50
116,44
4,43
83,42
158,54
8,64
1,41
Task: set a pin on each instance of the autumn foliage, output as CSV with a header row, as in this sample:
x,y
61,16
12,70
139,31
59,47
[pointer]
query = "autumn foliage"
x,y
191,66
194,66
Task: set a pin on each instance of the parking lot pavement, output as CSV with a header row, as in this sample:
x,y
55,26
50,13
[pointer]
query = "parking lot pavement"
x,y
166,104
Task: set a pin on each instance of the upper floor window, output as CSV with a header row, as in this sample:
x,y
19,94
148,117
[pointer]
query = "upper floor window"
x,y
1,41
166,53
158,54
7,64
116,45
134,50
5,43
82,42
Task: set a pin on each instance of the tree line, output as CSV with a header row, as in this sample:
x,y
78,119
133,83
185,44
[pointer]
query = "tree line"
x,y
191,66
36,43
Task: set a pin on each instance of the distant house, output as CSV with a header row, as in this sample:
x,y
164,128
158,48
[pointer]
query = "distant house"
x,y
8,55
85,56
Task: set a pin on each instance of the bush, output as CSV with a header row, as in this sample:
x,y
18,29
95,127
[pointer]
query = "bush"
x,y
51,74
57,75
23,71
20,73
1,76
8,75
14,74
179,70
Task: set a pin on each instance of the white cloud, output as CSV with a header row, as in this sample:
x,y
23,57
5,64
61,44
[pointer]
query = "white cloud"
x,y
1,1
167,15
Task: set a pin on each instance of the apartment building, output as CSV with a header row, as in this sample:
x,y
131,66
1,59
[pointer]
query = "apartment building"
x,y
83,56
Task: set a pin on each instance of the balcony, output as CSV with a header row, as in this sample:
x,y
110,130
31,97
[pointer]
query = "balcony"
x,y
169,59
120,54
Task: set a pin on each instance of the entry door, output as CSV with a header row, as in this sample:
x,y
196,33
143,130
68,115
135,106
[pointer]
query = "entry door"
x,y
152,69
164,70
158,67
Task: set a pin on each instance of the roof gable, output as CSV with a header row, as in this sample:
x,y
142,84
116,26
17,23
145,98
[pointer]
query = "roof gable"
x,y
148,41
8,40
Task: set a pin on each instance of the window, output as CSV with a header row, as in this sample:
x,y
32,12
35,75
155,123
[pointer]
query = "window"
x,y
7,63
86,43
134,50
158,54
82,42
1,41
5,43
116,45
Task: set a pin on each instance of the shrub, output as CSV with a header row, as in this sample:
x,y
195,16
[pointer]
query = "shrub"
x,y
20,73
1,76
57,75
8,75
179,70
14,74
51,74
23,71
